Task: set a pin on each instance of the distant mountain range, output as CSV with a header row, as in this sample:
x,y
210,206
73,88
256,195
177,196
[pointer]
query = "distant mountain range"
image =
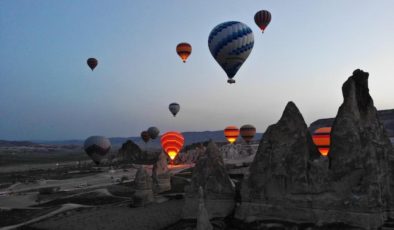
x,y
190,138
386,116
4,143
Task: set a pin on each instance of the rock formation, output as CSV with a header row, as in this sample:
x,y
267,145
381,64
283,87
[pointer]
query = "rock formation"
x,y
161,175
360,148
203,222
143,188
211,175
291,182
131,152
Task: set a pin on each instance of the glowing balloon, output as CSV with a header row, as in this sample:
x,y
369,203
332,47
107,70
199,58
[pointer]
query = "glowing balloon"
x,y
92,63
231,133
248,132
230,44
184,50
262,19
153,132
172,143
97,147
321,138
145,136
174,108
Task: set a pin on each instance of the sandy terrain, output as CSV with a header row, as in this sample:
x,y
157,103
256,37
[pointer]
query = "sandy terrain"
x,y
151,217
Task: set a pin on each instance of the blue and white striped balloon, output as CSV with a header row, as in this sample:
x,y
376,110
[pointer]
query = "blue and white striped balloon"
x,y
230,44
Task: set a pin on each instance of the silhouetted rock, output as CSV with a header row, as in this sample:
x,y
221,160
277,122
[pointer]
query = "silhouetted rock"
x,y
203,222
161,175
211,175
131,152
143,188
281,163
289,181
360,148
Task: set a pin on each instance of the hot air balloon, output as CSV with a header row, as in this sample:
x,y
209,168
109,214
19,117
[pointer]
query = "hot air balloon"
x,y
92,63
153,132
231,133
248,132
172,142
321,138
230,44
145,136
174,108
184,50
97,147
262,19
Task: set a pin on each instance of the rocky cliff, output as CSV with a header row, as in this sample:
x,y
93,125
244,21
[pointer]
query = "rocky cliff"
x,y
210,174
289,180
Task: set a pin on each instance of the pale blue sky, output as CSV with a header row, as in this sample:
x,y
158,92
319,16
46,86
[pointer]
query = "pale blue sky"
x,y
307,52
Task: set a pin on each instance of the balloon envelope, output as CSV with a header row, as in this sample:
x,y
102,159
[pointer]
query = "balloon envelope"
x,y
248,132
172,142
231,133
97,147
153,132
184,50
321,138
145,136
230,44
174,108
262,19
92,63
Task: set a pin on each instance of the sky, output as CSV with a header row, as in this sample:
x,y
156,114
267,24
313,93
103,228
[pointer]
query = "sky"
x,y
47,92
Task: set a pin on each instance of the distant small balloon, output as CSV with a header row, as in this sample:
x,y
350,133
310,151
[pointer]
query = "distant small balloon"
x,y
262,19
153,132
321,138
248,132
174,108
184,50
231,133
97,147
145,136
92,63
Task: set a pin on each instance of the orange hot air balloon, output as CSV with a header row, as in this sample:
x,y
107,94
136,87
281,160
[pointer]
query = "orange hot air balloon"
x,y
248,132
321,138
231,133
172,142
184,50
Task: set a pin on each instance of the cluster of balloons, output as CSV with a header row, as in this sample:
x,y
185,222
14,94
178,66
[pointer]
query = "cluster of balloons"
x,y
232,132
230,43
321,138
151,133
